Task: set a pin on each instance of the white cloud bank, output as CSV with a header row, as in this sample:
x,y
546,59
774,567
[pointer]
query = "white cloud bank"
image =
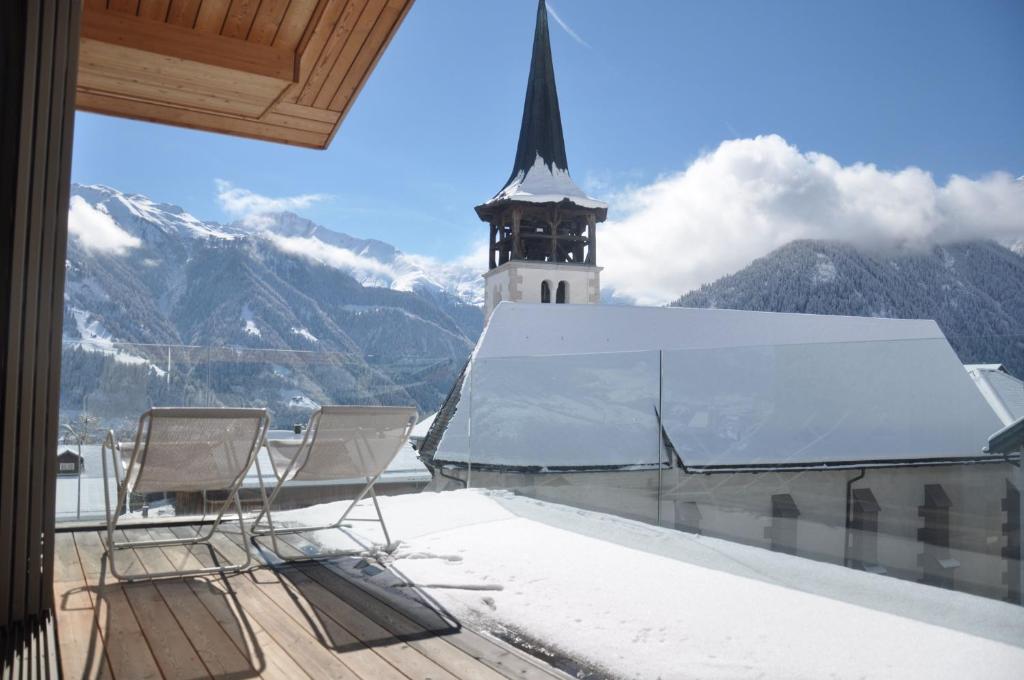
x,y
750,196
96,230
312,248
251,208
460,277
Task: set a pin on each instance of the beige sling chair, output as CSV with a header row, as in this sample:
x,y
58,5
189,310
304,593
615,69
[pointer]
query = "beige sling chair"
x,y
184,449
341,442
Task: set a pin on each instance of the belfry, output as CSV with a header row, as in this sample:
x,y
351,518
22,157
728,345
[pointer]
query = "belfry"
x,y
543,237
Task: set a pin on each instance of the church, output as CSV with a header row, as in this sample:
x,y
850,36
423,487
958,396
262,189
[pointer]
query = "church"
x,y
855,441
543,228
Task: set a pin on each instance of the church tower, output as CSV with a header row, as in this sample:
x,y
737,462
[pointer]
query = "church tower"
x,y
543,243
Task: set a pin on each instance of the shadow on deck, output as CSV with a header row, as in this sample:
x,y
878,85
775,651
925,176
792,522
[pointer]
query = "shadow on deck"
x,y
282,620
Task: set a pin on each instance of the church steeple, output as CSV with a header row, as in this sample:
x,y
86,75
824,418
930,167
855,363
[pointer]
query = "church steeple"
x,y
543,243
541,132
541,170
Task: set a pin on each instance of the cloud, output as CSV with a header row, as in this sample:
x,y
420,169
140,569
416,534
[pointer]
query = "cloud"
x,y
460,277
96,230
750,196
252,208
312,248
573,34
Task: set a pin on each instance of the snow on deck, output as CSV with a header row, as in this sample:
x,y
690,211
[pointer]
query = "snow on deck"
x,y
644,602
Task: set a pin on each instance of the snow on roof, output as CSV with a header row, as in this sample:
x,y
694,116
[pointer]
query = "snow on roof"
x,y
641,601
423,427
517,329
581,386
544,183
1003,392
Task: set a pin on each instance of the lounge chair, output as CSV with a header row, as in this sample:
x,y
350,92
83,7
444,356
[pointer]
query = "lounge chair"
x,y
184,449
341,442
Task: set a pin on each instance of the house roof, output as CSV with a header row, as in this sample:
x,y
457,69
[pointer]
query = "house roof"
x,y
540,173
1008,440
284,70
580,387
1003,392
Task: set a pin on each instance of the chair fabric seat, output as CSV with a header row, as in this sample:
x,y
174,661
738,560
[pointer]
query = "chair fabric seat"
x,y
346,442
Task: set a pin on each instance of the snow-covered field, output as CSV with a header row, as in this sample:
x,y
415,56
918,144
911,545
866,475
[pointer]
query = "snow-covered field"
x,y
638,601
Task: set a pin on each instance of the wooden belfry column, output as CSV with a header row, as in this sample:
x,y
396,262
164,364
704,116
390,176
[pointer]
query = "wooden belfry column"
x,y
38,66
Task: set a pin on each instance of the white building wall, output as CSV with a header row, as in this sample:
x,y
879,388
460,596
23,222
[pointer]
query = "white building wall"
x,y
521,281
737,506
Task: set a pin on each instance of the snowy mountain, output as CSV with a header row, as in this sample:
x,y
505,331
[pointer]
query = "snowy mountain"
x,y
974,290
150,288
371,262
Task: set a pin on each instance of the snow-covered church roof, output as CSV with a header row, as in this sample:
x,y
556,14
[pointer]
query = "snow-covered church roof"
x,y
581,387
1003,392
541,170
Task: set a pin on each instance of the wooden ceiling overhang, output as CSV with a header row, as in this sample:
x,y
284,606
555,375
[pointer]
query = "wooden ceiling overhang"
x,y
277,70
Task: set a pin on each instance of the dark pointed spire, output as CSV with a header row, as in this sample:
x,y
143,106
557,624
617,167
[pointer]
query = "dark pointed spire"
x,y
541,171
541,131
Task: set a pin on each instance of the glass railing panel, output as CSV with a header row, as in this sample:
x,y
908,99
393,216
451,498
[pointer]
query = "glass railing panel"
x,y
108,387
575,429
868,454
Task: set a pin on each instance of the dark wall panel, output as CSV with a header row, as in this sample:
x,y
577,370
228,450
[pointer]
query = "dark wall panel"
x,y
38,65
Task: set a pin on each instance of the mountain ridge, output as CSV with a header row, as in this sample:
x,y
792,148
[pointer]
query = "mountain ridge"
x,y
144,303
974,290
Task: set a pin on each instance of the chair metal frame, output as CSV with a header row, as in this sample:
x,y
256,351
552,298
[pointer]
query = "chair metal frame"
x,y
307,443
111,443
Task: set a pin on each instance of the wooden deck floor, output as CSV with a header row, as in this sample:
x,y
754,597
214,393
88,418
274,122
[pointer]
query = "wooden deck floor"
x,y
307,619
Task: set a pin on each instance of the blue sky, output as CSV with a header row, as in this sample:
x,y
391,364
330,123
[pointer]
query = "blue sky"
x,y
930,84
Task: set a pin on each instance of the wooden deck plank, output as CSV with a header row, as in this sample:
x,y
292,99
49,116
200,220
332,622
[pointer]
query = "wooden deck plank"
x,y
464,653
307,619
415,619
290,622
362,660
127,648
201,631
82,653
221,599
172,649
396,651
431,641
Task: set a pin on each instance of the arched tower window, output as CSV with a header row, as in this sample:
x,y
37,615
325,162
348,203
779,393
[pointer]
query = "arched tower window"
x,y
562,294
545,292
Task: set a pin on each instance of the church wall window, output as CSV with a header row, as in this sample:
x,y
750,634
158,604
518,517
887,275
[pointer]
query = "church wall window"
x,y
562,294
864,529
545,292
936,563
782,530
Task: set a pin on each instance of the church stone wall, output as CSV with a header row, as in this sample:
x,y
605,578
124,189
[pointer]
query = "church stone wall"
x,y
520,281
739,507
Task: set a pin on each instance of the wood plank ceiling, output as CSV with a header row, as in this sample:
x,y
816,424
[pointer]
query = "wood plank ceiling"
x,y
277,70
